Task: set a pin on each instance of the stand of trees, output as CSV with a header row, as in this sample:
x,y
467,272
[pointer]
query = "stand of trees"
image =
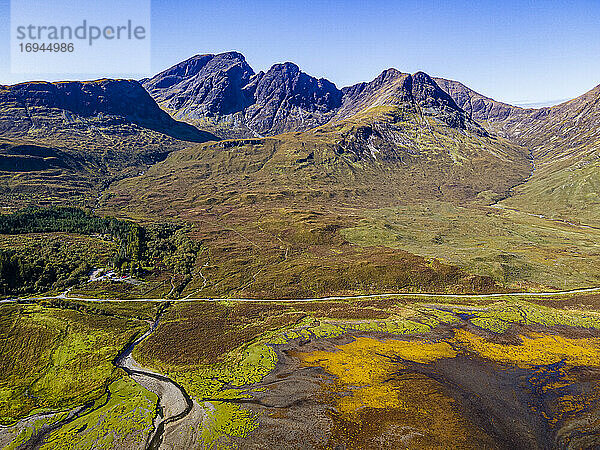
x,y
128,235
50,265
53,264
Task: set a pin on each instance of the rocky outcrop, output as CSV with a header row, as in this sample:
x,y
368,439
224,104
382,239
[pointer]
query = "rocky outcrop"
x,y
223,93
394,88
203,86
287,99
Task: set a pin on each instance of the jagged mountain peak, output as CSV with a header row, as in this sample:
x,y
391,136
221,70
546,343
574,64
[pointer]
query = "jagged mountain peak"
x,y
223,93
192,66
428,93
393,88
289,83
287,66
203,85
391,73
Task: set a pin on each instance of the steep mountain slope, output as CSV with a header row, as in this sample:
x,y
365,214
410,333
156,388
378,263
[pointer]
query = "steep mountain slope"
x,y
270,210
491,114
41,109
563,141
392,88
565,144
399,138
68,133
287,99
223,94
204,86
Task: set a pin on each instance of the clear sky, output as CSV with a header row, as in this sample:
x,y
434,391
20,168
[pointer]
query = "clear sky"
x,y
513,50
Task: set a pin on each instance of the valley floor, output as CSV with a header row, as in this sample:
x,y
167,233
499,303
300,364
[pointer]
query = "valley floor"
x,y
377,372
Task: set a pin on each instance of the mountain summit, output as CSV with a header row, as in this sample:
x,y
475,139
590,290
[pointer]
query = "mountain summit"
x,y
203,86
222,93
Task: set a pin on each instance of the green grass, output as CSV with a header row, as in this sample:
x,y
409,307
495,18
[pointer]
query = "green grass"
x,y
53,359
500,316
224,421
233,372
124,291
24,433
571,193
216,351
516,250
124,310
124,420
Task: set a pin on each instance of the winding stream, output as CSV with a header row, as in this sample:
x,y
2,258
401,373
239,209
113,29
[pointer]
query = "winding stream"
x,y
174,403
172,397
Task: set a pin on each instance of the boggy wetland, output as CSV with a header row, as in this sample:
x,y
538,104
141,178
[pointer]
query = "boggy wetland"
x,y
372,373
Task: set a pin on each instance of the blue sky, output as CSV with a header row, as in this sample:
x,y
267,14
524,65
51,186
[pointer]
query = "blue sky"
x,y
515,51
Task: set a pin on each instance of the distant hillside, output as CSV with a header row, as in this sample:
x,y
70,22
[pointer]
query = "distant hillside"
x,y
565,143
491,114
117,107
67,133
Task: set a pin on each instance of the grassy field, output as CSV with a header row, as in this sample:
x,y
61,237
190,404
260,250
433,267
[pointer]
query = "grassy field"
x,y
54,359
301,254
146,288
294,253
58,354
122,420
517,250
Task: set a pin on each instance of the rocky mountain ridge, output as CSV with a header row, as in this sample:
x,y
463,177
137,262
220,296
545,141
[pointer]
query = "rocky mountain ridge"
x,y
45,108
223,94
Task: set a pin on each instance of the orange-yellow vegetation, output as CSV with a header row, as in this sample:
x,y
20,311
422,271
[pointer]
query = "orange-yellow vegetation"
x,y
366,360
365,363
372,402
535,349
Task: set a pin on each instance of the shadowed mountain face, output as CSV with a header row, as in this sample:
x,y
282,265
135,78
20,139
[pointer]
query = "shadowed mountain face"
x,y
486,111
222,93
46,108
88,133
287,99
203,86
